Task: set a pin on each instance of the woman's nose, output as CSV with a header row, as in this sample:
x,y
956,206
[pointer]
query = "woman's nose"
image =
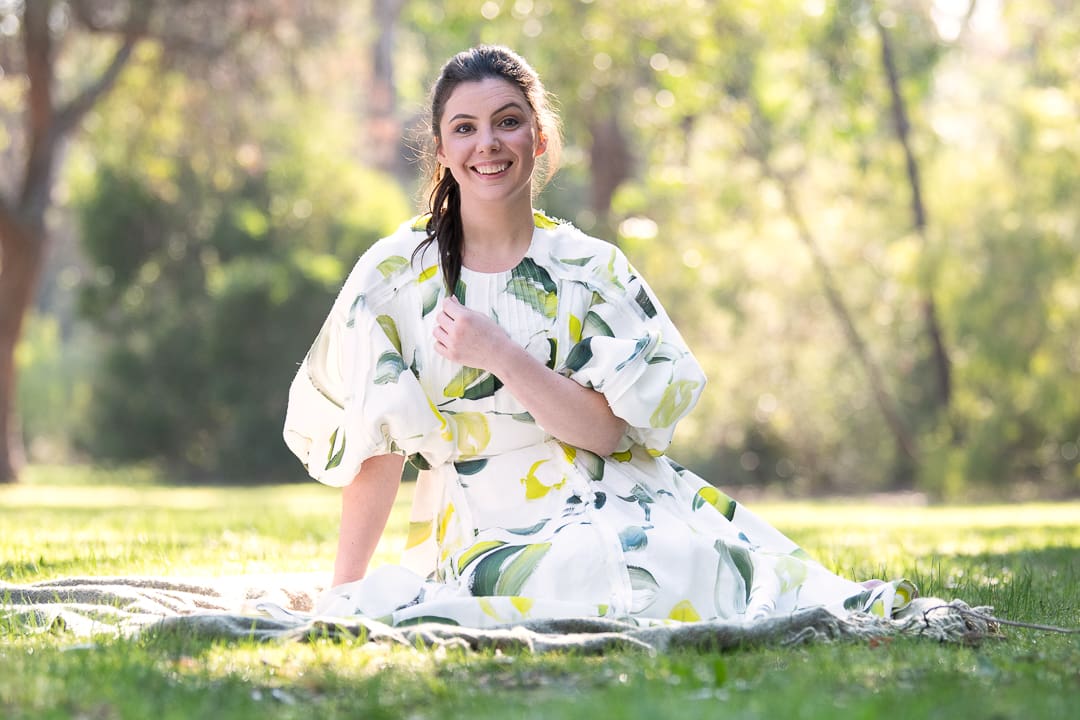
x,y
489,142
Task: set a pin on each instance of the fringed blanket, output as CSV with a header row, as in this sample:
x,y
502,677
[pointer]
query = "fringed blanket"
x,y
282,608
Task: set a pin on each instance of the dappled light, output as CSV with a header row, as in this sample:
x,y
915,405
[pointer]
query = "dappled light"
x,y
860,218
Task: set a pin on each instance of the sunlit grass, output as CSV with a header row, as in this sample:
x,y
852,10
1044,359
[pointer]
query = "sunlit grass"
x,y
1022,559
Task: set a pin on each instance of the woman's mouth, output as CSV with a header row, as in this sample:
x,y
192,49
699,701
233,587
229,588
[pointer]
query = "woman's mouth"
x,y
492,169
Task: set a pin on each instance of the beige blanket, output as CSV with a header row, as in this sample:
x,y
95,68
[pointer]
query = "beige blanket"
x,y
281,608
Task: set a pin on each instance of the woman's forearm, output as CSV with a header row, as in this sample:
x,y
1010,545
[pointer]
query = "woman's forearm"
x,y
575,414
365,508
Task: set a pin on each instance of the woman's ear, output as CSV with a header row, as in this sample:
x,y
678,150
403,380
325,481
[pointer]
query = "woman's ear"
x,y
541,144
439,155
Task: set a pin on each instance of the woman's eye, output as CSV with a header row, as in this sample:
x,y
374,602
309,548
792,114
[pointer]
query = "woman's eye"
x,y
510,122
462,129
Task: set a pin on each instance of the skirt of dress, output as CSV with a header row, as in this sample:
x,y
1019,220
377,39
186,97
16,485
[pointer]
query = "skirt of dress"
x,y
631,536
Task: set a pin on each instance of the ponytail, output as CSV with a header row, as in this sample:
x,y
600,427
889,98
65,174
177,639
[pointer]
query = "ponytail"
x,y
444,227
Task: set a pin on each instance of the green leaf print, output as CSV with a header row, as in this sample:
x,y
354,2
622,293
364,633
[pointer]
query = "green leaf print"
x,y
472,431
389,368
674,402
611,276
483,389
531,530
580,355
529,270
791,572
519,570
665,352
419,531
419,462
718,499
535,488
858,602
431,294
334,459
392,265
574,328
591,463
740,556
645,303
639,347
731,590
476,550
540,300
577,262
389,327
317,359
472,384
486,573
643,588
459,291
357,303
553,352
470,467
543,221
490,578
595,325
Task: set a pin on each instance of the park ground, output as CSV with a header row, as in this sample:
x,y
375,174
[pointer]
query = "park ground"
x,y
1021,559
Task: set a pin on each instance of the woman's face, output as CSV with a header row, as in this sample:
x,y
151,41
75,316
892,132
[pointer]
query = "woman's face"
x,y
489,140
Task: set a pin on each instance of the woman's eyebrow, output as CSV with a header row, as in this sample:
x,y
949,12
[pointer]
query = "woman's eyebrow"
x,y
466,116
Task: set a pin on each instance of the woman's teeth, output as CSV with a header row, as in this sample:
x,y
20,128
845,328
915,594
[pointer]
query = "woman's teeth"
x,y
491,169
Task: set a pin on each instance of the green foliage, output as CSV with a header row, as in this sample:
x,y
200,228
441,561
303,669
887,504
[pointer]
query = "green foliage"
x,y
212,275
208,203
53,390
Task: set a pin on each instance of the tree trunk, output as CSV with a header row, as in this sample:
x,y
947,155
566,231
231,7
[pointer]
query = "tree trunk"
x,y
23,254
23,236
383,122
938,353
757,142
886,403
610,164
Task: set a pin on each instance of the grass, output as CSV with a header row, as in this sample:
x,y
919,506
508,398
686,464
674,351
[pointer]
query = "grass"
x,y
1022,559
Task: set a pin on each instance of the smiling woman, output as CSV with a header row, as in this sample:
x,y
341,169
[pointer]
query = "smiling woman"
x,y
534,379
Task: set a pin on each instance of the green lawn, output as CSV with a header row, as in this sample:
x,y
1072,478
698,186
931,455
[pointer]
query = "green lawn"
x,y
1022,559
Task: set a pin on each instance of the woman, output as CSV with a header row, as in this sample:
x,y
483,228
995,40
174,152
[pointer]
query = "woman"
x,y
532,376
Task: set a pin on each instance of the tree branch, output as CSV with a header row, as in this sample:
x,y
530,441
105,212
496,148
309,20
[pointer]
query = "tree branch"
x,y
69,116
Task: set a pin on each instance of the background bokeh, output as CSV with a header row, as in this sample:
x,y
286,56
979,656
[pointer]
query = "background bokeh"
x,y
863,216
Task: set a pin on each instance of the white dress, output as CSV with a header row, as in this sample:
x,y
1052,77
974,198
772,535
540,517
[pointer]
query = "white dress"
x,y
509,523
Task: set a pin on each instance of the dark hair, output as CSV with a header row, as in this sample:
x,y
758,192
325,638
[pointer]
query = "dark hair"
x,y
444,201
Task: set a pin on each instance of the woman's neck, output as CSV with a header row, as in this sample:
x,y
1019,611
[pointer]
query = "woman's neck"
x,y
497,235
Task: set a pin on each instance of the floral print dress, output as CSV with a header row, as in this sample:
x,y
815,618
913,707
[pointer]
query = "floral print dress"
x,y
507,522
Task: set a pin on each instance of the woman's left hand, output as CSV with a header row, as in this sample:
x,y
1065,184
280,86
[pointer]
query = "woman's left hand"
x,y
466,337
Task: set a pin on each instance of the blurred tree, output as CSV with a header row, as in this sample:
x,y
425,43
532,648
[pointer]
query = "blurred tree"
x,y
219,236
46,30
48,121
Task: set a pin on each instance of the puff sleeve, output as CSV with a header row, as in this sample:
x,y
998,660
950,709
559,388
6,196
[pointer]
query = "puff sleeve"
x,y
631,352
354,396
